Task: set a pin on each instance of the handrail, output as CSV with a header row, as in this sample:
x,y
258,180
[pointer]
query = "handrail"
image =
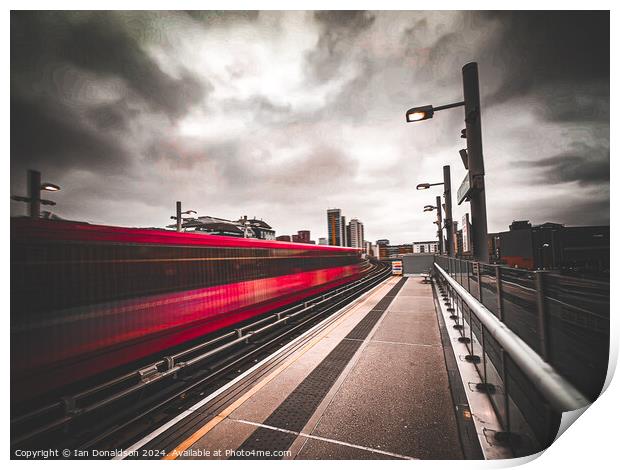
x,y
560,394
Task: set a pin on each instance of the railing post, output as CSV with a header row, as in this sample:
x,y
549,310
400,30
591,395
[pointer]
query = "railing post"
x,y
479,282
542,315
500,300
468,263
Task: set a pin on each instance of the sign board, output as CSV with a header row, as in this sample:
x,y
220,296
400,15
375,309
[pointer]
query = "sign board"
x,y
397,268
464,189
466,234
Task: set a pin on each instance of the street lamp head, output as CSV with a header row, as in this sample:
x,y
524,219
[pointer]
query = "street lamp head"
x,y
50,187
423,186
429,208
189,212
420,113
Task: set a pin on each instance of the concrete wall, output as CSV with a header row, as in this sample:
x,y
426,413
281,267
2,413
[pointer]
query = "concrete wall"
x,y
417,263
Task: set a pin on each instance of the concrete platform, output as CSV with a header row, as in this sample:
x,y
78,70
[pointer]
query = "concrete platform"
x,y
373,385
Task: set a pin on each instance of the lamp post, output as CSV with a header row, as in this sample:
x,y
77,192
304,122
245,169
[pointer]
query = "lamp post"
x,y
179,215
429,208
475,161
34,194
447,194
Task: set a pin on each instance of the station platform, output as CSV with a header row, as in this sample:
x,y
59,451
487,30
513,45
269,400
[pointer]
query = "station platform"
x,y
373,381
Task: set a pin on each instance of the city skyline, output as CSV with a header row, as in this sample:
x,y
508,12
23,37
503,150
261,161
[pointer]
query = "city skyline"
x,y
284,114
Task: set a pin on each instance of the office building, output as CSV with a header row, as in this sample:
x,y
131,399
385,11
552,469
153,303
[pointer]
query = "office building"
x,y
356,233
335,230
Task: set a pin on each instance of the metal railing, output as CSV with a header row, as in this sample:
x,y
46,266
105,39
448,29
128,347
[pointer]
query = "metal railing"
x,y
541,340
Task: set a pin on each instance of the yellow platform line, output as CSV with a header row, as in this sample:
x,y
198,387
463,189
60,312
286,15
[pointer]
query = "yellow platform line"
x,y
190,441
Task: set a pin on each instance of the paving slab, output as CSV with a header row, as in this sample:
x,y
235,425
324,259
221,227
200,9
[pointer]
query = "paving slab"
x,y
392,399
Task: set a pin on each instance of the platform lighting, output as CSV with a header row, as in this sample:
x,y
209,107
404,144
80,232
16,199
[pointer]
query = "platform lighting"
x,y
429,208
475,161
179,216
34,194
50,187
420,113
426,185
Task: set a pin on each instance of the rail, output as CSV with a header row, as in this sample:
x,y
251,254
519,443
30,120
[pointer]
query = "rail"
x,y
560,394
100,396
539,341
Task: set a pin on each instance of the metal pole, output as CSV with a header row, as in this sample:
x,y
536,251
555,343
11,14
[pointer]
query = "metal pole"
x,y
447,194
179,216
439,230
542,316
500,298
477,200
34,193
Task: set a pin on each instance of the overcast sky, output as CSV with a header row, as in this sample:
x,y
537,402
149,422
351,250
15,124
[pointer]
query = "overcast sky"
x,y
281,115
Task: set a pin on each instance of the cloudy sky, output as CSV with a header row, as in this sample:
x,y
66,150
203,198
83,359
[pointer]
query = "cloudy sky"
x,y
281,115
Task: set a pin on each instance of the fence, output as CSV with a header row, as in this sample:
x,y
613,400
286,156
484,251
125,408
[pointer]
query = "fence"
x,y
564,322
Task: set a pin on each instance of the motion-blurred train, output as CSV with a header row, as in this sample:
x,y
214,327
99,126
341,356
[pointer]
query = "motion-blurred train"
x,y
87,298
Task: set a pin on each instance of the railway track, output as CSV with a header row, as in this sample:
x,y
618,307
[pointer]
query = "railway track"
x,y
117,412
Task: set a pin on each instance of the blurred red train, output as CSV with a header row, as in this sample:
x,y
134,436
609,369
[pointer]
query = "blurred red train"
x,y
88,298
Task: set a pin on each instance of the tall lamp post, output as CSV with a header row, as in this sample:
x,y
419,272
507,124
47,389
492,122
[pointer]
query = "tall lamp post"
x,y
179,216
437,207
34,194
447,194
475,161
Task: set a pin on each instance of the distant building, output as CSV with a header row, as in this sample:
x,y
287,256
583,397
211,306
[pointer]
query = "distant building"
x,y
260,228
322,241
572,250
283,238
386,251
335,231
345,233
356,233
304,236
426,247
244,227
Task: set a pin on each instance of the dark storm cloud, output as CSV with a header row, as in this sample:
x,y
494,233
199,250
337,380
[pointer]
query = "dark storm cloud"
x,y
550,47
99,43
223,16
58,62
48,136
588,102
583,164
286,113
338,31
112,116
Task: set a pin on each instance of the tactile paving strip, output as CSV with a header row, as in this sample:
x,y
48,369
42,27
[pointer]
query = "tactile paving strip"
x,y
295,411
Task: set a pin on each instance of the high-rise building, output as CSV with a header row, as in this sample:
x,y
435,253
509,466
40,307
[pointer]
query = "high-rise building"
x,y
346,239
356,231
334,227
